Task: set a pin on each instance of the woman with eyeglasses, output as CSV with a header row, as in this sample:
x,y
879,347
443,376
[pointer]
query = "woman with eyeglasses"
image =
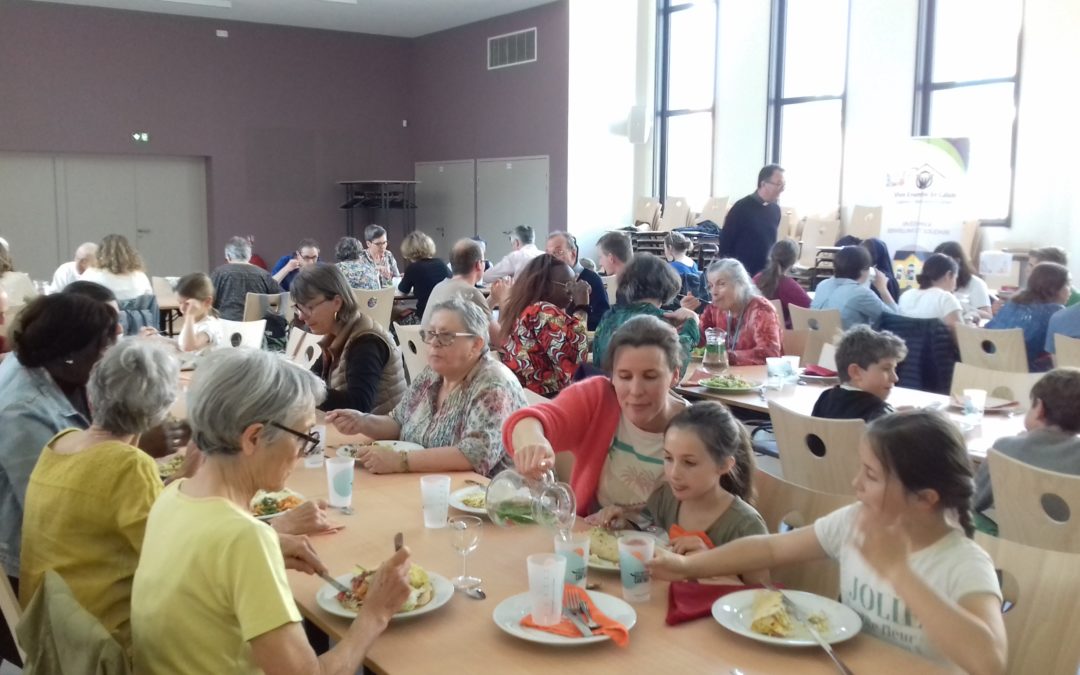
x,y
379,267
212,575
360,362
542,325
455,408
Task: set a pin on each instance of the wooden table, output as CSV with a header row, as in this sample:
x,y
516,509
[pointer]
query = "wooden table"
x,y
462,637
801,399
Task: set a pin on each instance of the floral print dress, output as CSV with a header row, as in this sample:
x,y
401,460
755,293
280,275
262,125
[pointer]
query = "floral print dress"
x,y
545,347
366,274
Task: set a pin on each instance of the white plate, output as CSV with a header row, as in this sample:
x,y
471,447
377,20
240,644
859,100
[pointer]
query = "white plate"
x,y
608,566
735,612
343,451
457,496
280,494
443,590
819,379
509,613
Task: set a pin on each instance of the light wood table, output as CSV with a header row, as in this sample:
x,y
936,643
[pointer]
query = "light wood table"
x,y
801,399
461,636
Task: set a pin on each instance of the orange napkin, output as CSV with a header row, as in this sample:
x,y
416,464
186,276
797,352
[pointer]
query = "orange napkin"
x,y
608,626
676,531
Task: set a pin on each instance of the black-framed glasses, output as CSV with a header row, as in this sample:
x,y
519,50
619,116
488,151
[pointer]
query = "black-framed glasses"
x,y
446,339
308,310
311,440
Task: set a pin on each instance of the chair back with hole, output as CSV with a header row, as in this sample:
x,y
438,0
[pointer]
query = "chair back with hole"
x,y
816,232
1041,613
993,348
379,305
303,347
413,350
865,222
1035,506
785,506
258,305
676,214
1007,386
825,320
246,334
821,454
1066,351
715,209
647,211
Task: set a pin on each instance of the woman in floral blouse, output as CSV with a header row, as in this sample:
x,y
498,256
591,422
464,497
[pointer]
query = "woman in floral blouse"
x,y
737,307
455,408
369,270
541,342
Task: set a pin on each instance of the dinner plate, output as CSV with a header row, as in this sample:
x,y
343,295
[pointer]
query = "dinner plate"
x,y
819,379
754,386
457,497
602,565
280,494
735,612
349,451
509,613
443,590
993,405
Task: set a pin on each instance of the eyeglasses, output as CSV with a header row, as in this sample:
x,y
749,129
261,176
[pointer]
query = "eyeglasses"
x,y
780,185
311,441
308,310
309,258
379,243
441,339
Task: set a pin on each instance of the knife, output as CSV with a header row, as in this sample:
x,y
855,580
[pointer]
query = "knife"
x,y
802,618
338,586
578,623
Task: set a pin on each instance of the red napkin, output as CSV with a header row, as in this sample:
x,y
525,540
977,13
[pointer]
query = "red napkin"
x,y
689,600
608,626
818,371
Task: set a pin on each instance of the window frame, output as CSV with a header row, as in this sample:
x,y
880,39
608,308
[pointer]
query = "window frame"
x,y
925,87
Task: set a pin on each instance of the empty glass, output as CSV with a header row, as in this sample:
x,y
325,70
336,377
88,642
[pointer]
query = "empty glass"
x,y
465,537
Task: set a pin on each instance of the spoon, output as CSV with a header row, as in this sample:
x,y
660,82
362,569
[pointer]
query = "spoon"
x,y
475,592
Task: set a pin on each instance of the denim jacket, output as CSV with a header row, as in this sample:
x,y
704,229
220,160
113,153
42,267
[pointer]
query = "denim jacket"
x,y
32,411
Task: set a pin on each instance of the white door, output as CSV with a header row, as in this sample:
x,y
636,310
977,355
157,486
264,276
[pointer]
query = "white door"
x,y
97,197
28,213
511,191
170,213
446,202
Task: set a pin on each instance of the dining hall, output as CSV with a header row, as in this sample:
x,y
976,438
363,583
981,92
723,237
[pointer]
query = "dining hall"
x,y
387,336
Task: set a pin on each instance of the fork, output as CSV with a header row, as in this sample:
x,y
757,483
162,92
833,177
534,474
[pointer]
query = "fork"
x,y
802,618
577,603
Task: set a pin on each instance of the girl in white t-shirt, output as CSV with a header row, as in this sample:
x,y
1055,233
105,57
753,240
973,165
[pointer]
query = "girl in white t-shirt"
x,y
201,328
934,298
971,291
906,566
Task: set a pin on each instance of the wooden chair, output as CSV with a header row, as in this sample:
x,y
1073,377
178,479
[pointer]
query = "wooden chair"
x,y
1066,351
413,350
20,288
827,321
611,285
647,211
1035,506
379,305
715,209
257,305
785,506
827,357
865,222
806,344
1040,590
676,213
303,348
246,334
994,349
1008,386
779,307
817,453
11,611
816,232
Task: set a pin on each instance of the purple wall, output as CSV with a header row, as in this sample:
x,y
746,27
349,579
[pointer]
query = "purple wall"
x,y
460,110
280,113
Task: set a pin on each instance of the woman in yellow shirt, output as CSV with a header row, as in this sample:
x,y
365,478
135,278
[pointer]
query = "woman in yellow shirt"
x,y
91,491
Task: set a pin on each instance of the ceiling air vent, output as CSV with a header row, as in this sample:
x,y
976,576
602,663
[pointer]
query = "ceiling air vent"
x,y
512,49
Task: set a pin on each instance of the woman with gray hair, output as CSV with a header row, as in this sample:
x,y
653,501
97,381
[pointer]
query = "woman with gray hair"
x,y
455,408
91,491
360,362
348,252
376,267
752,329
205,556
646,284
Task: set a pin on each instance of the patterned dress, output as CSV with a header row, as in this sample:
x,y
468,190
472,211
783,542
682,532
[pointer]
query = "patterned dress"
x,y
471,417
366,274
545,347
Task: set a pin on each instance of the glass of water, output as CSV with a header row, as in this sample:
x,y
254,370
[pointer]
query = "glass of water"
x,y
465,537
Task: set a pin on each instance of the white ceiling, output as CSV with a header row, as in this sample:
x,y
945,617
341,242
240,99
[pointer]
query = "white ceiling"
x,y
401,18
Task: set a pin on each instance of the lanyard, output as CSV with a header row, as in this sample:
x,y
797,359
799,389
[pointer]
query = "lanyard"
x,y
733,335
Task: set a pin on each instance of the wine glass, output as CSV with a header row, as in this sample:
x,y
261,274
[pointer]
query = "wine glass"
x,y
465,537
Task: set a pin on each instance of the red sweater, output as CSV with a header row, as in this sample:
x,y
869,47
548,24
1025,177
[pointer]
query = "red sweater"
x,y
759,338
581,420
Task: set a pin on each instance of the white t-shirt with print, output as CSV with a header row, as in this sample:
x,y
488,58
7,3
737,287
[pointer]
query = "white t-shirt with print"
x,y
954,566
928,303
973,296
634,467
211,327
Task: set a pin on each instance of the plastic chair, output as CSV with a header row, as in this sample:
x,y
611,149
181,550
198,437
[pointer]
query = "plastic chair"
x,y
246,334
1066,351
715,209
676,214
785,506
1040,612
1008,386
818,453
816,232
647,211
414,352
1035,506
379,305
257,305
994,349
303,347
865,222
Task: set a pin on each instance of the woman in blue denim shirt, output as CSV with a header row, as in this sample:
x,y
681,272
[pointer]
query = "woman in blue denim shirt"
x,y
1047,292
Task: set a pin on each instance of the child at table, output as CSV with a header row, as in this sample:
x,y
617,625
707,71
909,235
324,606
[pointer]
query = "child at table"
x,y
906,566
866,362
201,328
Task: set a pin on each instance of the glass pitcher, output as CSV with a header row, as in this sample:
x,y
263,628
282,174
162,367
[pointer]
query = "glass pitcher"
x,y
715,359
513,499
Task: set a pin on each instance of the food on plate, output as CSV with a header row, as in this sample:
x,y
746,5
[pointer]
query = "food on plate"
x,y
271,503
354,451
603,545
420,593
168,468
475,500
771,617
726,382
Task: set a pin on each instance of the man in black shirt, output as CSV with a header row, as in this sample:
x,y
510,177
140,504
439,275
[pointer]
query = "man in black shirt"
x,y
238,277
750,226
866,362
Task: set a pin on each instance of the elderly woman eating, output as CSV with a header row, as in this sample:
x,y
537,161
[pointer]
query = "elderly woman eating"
x,y
210,593
91,491
613,427
738,308
454,408
360,362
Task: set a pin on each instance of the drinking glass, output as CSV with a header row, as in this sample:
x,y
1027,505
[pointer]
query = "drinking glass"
x,y
974,405
339,475
465,537
574,546
634,551
435,497
546,574
315,459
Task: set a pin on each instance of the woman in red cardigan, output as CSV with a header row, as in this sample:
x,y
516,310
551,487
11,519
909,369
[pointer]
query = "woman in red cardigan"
x,y
614,427
750,321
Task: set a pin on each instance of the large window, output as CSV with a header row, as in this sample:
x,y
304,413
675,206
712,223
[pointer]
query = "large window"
x,y
686,92
967,86
808,80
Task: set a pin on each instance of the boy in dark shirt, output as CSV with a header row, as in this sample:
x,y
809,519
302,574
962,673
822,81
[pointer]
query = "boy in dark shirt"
x,y
866,362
